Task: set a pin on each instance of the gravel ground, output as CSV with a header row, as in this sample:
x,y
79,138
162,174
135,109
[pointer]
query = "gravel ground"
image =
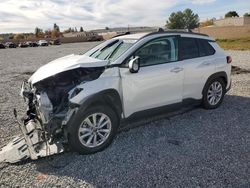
x,y
198,148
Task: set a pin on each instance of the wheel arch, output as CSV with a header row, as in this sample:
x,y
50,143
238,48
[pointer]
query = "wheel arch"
x,y
222,75
108,97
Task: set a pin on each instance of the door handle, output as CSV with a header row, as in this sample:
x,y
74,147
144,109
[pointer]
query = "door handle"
x,y
207,63
176,69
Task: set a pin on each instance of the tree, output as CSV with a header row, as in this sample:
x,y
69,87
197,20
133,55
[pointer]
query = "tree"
x,y
183,20
231,14
67,30
18,36
191,19
81,29
41,35
38,32
56,27
48,32
30,36
11,37
107,28
75,29
247,14
55,34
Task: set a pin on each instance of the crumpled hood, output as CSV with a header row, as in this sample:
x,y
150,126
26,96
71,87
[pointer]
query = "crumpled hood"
x,y
64,64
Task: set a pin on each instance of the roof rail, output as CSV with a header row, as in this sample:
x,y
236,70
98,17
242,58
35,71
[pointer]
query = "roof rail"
x,y
175,31
126,33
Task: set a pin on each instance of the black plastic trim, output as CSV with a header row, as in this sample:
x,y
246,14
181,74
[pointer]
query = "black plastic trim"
x,y
230,86
174,32
108,97
189,102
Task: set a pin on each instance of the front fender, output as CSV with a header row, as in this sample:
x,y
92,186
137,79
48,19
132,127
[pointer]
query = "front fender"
x,y
110,79
106,89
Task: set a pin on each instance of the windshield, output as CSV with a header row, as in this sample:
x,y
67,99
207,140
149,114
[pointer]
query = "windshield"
x,y
111,51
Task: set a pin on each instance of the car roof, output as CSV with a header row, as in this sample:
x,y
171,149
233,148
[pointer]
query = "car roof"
x,y
139,36
136,36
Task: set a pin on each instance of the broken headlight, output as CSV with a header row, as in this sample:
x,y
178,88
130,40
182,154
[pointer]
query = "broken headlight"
x,y
75,92
25,89
45,106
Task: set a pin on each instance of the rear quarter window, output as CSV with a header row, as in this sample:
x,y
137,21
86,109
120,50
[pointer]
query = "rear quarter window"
x,y
205,49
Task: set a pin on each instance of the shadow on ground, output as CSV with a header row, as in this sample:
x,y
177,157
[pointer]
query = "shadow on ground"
x,y
197,148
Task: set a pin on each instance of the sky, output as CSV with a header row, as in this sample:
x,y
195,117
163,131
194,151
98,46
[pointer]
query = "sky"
x,y
24,15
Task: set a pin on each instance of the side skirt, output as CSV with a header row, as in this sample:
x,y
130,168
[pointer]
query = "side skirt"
x,y
160,112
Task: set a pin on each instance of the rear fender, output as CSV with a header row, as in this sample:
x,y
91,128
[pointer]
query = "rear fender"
x,y
222,75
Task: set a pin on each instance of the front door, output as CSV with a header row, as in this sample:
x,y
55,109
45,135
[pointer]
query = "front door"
x,y
159,81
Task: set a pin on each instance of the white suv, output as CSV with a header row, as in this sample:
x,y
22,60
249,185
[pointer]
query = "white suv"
x,y
79,101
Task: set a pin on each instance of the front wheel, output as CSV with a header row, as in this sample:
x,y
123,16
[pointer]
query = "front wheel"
x,y
93,130
213,94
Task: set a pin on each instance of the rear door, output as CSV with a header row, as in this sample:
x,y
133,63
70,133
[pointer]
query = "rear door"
x,y
197,58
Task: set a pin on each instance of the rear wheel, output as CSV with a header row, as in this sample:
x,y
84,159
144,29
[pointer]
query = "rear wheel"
x,y
213,94
93,130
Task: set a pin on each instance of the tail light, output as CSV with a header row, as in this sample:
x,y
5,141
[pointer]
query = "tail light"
x,y
229,59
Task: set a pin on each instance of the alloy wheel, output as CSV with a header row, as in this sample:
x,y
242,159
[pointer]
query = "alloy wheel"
x,y
214,93
94,130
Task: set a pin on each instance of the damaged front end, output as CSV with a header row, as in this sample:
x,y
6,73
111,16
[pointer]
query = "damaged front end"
x,y
44,126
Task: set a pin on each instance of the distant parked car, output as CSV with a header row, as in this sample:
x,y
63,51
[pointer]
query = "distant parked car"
x,y
23,45
32,44
10,45
55,42
2,46
43,43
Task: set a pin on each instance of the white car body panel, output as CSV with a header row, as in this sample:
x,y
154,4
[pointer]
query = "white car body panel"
x,y
196,73
153,86
64,64
110,79
221,62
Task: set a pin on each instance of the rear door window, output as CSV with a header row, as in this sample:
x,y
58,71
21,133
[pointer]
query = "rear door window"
x,y
188,48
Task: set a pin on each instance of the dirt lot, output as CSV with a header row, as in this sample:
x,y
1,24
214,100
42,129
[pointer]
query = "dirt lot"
x,y
198,148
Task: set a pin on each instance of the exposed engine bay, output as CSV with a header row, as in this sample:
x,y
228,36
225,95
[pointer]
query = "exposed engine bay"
x,y
44,124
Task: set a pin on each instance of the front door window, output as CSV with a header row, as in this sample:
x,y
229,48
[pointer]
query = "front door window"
x,y
158,51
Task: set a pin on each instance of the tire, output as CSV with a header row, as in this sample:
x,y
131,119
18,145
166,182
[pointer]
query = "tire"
x,y
209,93
78,141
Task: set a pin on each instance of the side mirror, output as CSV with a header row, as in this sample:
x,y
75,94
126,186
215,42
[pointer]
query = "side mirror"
x,y
134,65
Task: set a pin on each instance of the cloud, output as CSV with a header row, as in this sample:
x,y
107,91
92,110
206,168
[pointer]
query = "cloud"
x,y
9,16
202,1
87,13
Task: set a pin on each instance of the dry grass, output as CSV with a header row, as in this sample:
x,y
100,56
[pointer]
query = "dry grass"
x,y
235,44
